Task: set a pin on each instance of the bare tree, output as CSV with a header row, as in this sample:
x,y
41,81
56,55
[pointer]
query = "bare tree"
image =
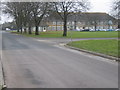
x,y
65,8
116,10
27,16
24,12
15,10
39,10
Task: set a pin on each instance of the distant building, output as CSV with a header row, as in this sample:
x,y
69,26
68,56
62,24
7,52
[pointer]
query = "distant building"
x,y
8,26
85,20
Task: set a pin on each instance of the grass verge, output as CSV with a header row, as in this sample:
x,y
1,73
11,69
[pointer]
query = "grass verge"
x,y
108,47
74,34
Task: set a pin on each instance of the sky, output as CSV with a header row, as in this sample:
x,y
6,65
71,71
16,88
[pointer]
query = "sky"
x,y
96,6
101,5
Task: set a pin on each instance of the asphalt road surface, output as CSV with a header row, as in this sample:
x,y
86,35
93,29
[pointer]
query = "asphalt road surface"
x,y
1,75
34,63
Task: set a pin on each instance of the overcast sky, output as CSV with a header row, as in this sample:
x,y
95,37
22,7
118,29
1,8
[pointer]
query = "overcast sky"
x,y
96,6
101,5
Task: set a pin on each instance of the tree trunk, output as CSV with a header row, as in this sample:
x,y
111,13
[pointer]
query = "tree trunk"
x,y
18,29
119,26
75,25
21,29
95,27
25,31
56,25
36,31
119,23
65,28
30,32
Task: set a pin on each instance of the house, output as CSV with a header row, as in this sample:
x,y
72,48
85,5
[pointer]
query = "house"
x,y
84,20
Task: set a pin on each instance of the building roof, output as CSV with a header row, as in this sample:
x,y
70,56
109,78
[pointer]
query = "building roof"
x,y
84,16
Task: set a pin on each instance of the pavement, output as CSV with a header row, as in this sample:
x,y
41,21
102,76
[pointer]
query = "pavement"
x,y
40,63
66,40
1,71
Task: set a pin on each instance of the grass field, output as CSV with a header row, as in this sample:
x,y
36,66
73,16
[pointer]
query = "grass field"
x,y
108,47
75,34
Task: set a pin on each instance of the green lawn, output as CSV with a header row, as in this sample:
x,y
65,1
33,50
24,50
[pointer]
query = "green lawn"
x,y
75,34
108,47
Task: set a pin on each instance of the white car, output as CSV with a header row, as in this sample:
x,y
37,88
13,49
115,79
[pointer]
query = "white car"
x,y
7,29
92,29
117,29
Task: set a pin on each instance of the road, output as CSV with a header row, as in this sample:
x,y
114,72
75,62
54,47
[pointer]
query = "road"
x,y
1,75
34,63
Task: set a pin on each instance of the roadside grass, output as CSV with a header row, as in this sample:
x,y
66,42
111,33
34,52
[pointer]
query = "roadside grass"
x,y
108,47
74,34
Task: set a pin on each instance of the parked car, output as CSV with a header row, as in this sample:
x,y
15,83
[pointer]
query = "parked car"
x,y
109,29
97,29
86,30
7,29
92,29
102,29
117,29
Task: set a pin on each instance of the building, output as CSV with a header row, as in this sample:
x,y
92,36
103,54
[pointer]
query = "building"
x,y
8,26
85,20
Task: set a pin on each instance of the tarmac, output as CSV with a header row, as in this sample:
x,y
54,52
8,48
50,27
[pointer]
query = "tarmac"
x,y
1,70
2,83
1,76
